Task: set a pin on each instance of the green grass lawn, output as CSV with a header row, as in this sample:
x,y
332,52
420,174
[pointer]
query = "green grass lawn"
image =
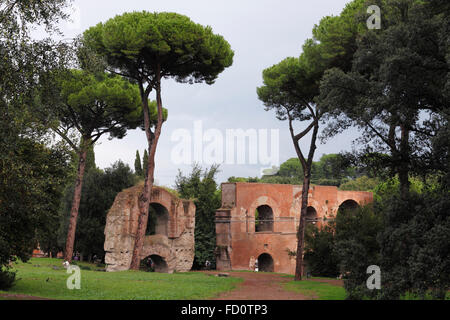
x,y
39,278
316,290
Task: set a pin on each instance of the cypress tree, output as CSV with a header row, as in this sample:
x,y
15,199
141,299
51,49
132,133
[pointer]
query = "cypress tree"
x,y
138,164
145,162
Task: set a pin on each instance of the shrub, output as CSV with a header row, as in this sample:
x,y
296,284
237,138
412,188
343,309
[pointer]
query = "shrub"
x,y
7,278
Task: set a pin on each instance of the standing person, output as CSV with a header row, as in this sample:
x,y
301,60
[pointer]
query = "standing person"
x,y
207,264
256,265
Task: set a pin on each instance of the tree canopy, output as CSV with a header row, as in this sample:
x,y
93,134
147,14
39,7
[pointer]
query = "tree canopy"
x,y
98,104
396,89
141,44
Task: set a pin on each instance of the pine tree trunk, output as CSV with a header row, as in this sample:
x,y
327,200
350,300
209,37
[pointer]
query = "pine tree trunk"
x,y
301,229
75,204
144,199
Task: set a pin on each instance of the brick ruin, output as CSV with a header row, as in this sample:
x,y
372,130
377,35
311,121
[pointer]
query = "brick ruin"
x,y
170,244
242,238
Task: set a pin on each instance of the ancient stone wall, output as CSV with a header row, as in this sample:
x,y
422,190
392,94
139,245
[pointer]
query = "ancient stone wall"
x,y
238,239
174,242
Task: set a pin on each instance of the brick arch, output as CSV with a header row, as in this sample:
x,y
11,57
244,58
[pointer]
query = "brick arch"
x,y
264,200
162,250
261,201
308,211
171,203
349,201
339,204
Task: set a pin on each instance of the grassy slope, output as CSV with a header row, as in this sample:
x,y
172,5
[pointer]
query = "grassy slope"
x,y
125,285
316,290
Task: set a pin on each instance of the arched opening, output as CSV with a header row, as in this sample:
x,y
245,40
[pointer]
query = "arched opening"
x,y
348,206
264,219
311,215
154,263
265,263
158,220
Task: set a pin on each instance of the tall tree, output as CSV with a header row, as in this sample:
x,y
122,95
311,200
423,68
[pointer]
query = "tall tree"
x,y
291,88
27,179
138,165
91,106
148,47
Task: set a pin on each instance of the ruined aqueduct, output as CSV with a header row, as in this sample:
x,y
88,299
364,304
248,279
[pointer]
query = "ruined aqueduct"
x,y
242,238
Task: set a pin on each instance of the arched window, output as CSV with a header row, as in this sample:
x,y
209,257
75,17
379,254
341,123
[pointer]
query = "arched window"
x,y
264,219
158,220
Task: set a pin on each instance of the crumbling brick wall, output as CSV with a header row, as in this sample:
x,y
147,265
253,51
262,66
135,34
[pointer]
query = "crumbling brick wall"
x,y
176,247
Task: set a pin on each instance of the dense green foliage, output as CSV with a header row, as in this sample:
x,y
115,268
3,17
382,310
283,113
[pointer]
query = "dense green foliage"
x,y
407,239
94,105
33,178
415,244
339,170
319,255
331,169
396,91
30,172
357,248
135,43
201,187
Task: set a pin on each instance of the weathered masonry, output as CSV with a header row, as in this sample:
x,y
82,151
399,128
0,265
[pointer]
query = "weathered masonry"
x,y
259,222
169,239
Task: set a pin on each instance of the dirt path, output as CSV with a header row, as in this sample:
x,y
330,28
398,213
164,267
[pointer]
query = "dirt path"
x,y
19,297
260,286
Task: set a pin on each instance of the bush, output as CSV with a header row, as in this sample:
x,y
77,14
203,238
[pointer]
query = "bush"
x,y
7,278
319,255
356,248
415,245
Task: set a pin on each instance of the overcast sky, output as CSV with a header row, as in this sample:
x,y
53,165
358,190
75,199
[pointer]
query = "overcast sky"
x,y
261,33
